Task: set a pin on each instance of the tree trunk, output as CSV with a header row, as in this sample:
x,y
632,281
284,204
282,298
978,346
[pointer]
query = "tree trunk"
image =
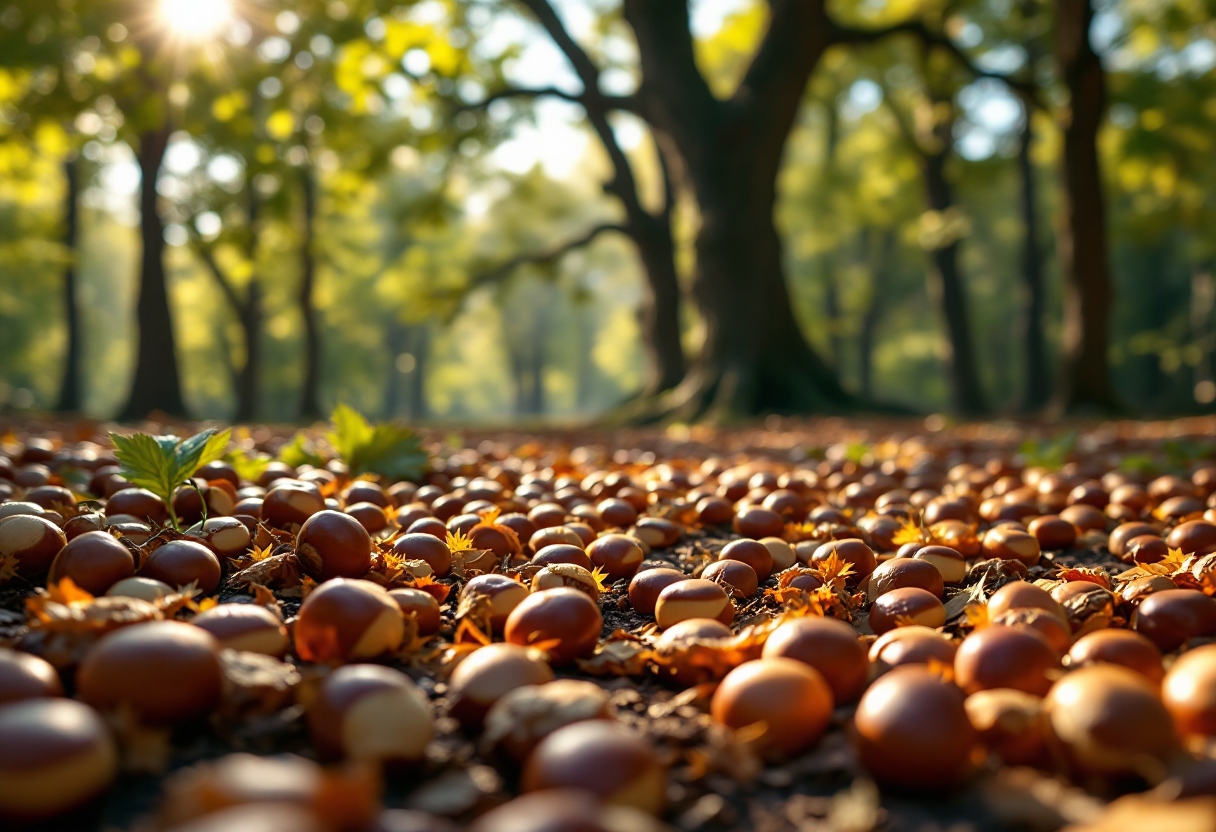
x,y
1084,381
873,314
1203,300
660,309
755,358
418,407
1036,386
251,331
946,290
157,384
70,394
310,401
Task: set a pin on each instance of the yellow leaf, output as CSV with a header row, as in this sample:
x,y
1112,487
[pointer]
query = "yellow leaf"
x,y
281,124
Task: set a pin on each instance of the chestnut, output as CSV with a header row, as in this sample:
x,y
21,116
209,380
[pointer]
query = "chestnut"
x,y
504,594
694,629
714,511
33,541
735,576
693,598
830,646
792,699
904,607
331,544
24,676
1147,548
520,719
1024,595
139,503
366,712
912,645
655,532
912,730
566,575
345,620
1106,720
1056,630
368,515
898,573
1196,537
756,522
1189,692
1005,657
1009,723
563,553
432,526
1123,534
422,606
289,503
166,671
56,755
490,673
81,523
646,586
180,563
246,627
1172,617
617,555
407,820
95,561
850,550
601,757
425,547
949,562
617,513
1089,606
550,535
1053,532
564,810
1121,647
227,537
1004,543
365,491
782,552
752,552
565,623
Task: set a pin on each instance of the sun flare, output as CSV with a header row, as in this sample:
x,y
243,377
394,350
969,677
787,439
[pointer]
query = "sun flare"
x,y
196,19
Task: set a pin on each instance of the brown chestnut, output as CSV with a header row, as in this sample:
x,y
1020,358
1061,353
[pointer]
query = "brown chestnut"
x,y
331,544
95,561
830,646
425,547
617,555
23,676
601,757
912,645
756,522
166,671
33,541
565,623
735,576
180,563
693,598
56,755
1053,532
1196,537
422,606
1189,692
912,730
898,573
850,550
1121,647
646,586
1172,617
792,699
905,607
289,503
490,673
227,537
949,562
366,712
520,719
1005,657
346,620
1009,723
752,552
246,627
139,503
503,593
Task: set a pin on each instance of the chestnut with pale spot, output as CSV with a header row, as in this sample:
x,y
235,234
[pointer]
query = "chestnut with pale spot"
x,y
647,584
490,673
565,623
904,607
95,561
601,757
503,593
617,555
347,620
33,541
246,627
370,713
693,598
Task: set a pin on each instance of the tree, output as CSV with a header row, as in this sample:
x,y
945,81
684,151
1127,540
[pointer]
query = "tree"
x,y
70,399
1084,380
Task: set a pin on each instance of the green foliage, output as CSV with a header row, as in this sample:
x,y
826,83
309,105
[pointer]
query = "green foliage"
x,y
1050,454
301,451
248,467
162,463
392,451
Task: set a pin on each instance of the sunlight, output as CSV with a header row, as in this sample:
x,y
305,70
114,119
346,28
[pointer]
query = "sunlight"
x,y
196,19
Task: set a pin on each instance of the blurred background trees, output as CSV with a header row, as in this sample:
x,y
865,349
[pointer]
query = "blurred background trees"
x,y
551,210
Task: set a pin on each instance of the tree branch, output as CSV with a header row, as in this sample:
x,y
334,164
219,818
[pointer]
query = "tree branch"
x,y
847,35
625,103
206,254
542,258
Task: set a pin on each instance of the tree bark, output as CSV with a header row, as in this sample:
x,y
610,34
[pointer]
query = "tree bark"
x,y
157,383
946,289
1084,382
70,393
755,358
310,401
247,382
873,314
1036,385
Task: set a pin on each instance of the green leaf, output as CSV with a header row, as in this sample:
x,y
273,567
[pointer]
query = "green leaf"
x,y
392,451
856,452
147,461
247,467
299,452
198,450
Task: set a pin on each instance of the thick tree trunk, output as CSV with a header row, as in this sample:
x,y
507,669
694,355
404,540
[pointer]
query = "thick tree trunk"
x,y
1084,380
660,310
1036,386
310,399
947,291
755,358
157,383
247,381
70,394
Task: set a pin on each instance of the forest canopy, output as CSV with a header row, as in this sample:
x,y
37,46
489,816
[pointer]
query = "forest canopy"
x,y
458,210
